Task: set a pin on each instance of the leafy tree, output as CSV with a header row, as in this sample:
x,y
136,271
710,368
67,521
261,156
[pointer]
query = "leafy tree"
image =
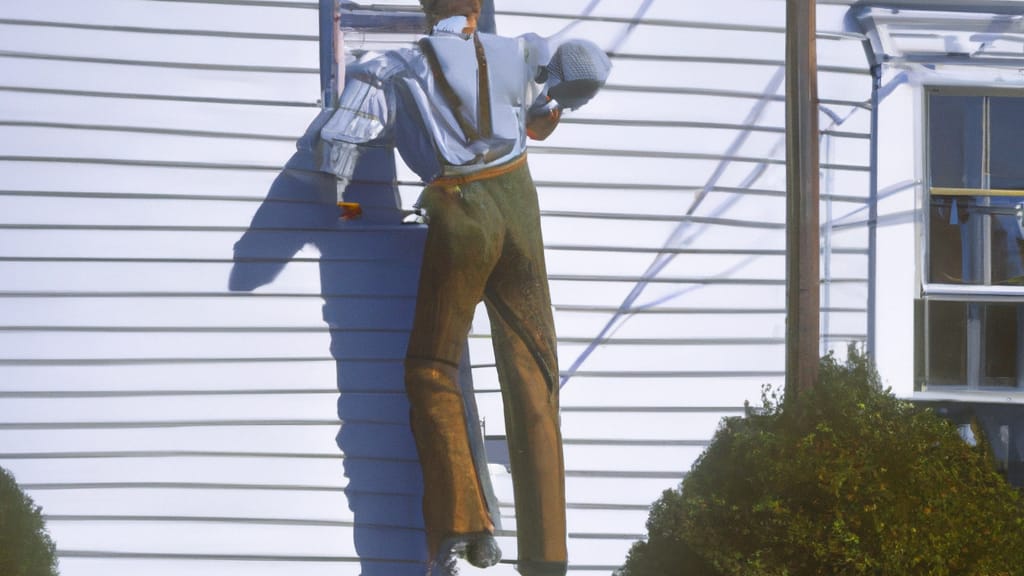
x,y
843,480
25,547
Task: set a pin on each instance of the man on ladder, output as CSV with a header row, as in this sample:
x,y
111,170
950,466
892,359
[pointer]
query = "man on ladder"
x,y
459,106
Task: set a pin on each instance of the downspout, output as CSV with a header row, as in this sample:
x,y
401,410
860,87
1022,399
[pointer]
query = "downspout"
x,y
876,84
874,52
826,253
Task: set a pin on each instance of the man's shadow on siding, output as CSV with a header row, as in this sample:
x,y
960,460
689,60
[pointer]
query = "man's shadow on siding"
x,y
368,275
369,270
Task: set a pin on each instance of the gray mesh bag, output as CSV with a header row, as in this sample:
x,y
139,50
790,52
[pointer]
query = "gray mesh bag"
x,y
577,70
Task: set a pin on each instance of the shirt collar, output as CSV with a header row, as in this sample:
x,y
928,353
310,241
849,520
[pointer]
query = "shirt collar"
x,y
451,25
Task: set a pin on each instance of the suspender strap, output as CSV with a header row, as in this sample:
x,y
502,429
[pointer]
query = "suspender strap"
x,y
484,90
453,100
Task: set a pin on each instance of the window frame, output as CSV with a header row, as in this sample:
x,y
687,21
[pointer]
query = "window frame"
x,y
975,295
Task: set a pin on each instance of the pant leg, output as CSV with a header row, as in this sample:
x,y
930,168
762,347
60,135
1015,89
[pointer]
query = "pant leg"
x,y
463,242
519,305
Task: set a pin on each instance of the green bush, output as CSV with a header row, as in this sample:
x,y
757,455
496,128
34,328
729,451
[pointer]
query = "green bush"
x,y
25,547
844,479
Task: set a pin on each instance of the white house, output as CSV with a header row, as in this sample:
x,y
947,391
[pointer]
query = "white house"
x,y
200,364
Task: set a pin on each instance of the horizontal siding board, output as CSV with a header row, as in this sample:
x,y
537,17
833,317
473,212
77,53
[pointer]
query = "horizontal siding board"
x,y
157,63
583,427
339,337
283,246
88,563
154,47
575,427
234,471
684,358
295,439
609,199
660,16
581,458
707,75
155,212
664,106
631,459
710,265
663,427
229,539
218,563
278,407
583,388
188,400
847,295
653,35
323,506
668,139
846,151
715,130
160,83
155,163
853,232
224,313
128,179
586,521
127,128
116,96
298,441
603,233
746,60
132,147
209,376
848,323
610,490
579,293
852,184
136,29
739,324
600,551
173,15
71,347
210,244
353,278
279,121
82,208
703,390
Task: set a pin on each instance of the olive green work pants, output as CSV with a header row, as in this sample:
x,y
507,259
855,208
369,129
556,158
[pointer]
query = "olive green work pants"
x,y
484,243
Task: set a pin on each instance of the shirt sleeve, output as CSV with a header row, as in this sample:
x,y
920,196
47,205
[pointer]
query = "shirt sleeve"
x,y
537,52
363,115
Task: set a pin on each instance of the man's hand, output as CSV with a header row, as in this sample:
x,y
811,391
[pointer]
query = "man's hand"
x,y
542,120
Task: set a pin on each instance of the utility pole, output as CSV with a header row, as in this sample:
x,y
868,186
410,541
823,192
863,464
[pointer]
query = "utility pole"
x,y
803,274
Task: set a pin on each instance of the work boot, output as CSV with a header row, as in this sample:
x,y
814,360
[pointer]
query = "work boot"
x,y
480,550
483,551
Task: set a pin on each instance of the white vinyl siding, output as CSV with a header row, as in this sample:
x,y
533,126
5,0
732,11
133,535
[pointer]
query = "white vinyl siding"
x,y
168,424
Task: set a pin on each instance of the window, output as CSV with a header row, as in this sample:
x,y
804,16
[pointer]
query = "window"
x,y
973,283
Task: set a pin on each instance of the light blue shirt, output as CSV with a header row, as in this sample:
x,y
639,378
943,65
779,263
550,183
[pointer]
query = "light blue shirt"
x,y
393,97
